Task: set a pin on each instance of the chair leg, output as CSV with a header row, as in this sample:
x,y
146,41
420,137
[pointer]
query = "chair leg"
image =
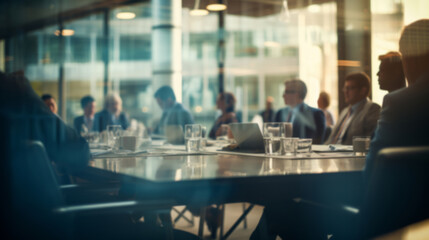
x,y
222,222
245,218
181,214
201,224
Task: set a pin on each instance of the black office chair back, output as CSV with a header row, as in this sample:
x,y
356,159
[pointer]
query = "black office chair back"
x,y
397,191
32,189
37,194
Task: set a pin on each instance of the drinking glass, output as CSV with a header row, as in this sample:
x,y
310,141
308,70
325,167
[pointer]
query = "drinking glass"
x,y
287,130
289,145
192,137
203,140
113,134
272,133
361,145
304,146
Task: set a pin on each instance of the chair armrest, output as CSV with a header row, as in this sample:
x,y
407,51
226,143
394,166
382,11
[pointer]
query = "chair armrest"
x,y
340,208
117,206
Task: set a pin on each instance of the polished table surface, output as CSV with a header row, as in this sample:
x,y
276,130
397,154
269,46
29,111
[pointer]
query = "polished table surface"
x,y
222,166
219,178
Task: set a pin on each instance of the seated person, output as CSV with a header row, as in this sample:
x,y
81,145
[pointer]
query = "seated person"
x,y
85,122
173,113
360,117
391,75
112,114
307,122
36,121
49,100
268,114
225,103
323,103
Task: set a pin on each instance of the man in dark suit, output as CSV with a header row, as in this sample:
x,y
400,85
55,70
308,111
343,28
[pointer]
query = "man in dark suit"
x,y
390,74
85,122
268,114
404,116
112,114
173,113
32,119
360,117
307,122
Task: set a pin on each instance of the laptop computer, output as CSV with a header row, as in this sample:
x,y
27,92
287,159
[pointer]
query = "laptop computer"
x,y
174,134
248,137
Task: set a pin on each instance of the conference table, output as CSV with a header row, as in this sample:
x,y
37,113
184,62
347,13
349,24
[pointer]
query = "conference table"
x,y
218,177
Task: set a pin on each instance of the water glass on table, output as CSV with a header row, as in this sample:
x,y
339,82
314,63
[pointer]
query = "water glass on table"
x,y
114,133
192,137
361,145
289,145
203,140
304,147
272,133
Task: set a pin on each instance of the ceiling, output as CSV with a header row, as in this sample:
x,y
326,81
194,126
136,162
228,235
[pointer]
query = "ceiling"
x,y
24,15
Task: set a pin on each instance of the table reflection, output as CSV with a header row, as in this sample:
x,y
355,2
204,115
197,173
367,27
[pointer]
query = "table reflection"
x,y
195,167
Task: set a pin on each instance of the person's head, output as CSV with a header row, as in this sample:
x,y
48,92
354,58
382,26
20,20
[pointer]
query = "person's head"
x,y
414,47
49,100
269,103
113,104
88,105
165,97
391,74
356,87
324,100
295,92
226,102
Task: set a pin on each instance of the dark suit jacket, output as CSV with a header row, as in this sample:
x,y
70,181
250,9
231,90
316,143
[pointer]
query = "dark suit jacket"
x,y
176,115
403,119
270,115
308,123
103,118
30,119
362,123
77,123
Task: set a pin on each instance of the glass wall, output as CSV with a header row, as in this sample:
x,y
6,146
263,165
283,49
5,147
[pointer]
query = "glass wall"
x,y
388,19
261,52
83,63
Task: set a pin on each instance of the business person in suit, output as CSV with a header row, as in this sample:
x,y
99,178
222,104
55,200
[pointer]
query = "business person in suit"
x,y
360,117
404,116
308,122
390,74
112,114
173,113
85,122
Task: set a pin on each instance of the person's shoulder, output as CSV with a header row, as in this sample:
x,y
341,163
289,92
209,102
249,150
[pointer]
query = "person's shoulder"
x,y
78,118
373,105
101,113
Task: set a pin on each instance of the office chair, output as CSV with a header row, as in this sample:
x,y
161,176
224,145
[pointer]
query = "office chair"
x,y
39,209
396,195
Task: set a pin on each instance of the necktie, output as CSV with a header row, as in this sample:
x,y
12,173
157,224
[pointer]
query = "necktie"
x,y
341,128
289,116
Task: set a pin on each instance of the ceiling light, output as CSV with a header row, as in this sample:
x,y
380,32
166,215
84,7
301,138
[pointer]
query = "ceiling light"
x,y
65,33
125,15
197,11
284,12
216,7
